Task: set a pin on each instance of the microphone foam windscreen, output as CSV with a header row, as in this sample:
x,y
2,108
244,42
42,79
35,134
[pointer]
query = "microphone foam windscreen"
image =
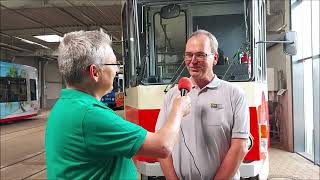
x,y
185,83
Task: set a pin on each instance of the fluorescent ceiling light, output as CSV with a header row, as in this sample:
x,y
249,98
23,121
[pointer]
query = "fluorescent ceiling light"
x,y
31,42
49,38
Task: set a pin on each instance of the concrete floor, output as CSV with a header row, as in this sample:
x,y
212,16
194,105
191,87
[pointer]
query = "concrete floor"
x,y
23,156
22,149
286,165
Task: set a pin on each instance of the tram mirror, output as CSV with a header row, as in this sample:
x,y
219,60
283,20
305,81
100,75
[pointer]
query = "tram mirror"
x,y
170,11
291,47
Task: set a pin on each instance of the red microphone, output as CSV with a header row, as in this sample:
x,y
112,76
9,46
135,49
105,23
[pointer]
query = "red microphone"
x,y
184,86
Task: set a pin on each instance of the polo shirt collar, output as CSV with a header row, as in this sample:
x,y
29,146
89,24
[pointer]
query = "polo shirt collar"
x,y
214,83
76,94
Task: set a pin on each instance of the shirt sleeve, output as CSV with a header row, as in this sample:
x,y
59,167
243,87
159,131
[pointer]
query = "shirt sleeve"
x,y
241,126
107,134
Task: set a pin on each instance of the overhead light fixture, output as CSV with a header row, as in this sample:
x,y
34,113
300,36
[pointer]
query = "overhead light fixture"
x,y
49,38
31,42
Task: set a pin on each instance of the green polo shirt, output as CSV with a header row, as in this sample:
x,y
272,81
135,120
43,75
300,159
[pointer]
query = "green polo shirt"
x,y
87,140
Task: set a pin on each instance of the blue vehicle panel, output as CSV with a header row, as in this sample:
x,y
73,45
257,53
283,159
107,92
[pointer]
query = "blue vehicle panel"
x,y
109,99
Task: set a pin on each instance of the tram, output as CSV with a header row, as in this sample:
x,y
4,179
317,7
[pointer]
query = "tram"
x,y
19,97
155,33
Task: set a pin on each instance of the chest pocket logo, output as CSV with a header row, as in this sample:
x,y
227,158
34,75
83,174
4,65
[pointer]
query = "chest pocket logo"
x,y
213,114
216,106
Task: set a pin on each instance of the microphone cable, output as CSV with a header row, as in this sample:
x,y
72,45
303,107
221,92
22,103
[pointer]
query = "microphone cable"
x,y
194,161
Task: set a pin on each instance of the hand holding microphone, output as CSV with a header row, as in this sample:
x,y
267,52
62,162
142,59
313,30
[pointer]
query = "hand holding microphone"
x,y
183,102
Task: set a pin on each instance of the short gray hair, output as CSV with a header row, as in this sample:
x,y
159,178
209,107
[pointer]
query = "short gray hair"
x,y
213,40
80,49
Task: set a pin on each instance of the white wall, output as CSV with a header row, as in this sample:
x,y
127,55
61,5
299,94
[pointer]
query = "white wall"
x,y
276,57
52,83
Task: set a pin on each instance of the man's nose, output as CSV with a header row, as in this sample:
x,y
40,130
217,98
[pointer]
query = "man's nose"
x,y
194,59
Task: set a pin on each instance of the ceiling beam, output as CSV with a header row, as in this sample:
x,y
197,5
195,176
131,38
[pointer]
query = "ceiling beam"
x,y
83,14
19,42
50,52
19,4
31,19
111,28
89,18
114,31
101,12
9,49
8,46
71,15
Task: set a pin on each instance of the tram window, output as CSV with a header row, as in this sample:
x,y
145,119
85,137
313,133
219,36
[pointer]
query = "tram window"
x,y
13,89
230,32
3,90
33,89
170,39
261,61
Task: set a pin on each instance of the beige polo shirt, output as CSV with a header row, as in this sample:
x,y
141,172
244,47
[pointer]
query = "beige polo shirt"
x,y
219,113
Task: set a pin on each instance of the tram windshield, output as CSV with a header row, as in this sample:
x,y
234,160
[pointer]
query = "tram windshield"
x,y
168,38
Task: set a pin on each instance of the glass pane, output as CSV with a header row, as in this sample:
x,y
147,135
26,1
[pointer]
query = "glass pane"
x,y
315,27
33,89
308,106
13,89
3,89
302,25
227,23
170,40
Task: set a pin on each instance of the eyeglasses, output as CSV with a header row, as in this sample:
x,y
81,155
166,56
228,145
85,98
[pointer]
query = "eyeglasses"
x,y
199,56
118,64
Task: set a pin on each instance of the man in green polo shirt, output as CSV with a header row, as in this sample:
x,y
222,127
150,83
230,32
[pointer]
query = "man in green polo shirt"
x,y
84,138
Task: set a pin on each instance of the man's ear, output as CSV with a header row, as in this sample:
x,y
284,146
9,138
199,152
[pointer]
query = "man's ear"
x,y
215,58
94,72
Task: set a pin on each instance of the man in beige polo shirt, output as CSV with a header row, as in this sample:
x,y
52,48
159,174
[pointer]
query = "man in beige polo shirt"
x,y
213,136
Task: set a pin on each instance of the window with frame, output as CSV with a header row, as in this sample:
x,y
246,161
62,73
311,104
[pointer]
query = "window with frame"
x,y
169,43
33,89
229,24
13,89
